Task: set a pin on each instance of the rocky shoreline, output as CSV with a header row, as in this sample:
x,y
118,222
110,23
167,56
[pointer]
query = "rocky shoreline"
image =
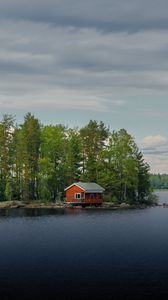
x,y
63,205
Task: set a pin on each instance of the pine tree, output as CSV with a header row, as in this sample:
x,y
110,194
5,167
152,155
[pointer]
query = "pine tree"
x,y
6,153
73,156
31,136
93,138
52,160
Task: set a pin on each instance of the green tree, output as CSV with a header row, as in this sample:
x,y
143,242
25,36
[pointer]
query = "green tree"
x,y
31,138
6,153
39,162
52,160
8,190
143,177
73,156
93,138
19,163
121,165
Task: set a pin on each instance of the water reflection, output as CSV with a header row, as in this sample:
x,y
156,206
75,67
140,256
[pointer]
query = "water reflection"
x,y
83,254
30,212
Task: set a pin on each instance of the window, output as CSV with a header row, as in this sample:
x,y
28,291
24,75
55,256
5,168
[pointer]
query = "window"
x,y
80,195
77,195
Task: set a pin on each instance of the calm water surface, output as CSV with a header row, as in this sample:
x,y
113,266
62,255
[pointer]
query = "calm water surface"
x,y
81,254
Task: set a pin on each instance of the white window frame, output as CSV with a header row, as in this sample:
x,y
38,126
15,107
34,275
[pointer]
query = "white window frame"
x,y
79,196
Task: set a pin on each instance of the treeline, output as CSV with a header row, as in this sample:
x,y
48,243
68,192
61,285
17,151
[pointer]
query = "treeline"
x,y
38,162
159,181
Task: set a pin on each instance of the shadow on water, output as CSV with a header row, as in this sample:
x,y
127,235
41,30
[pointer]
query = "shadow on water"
x,y
30,212
41,212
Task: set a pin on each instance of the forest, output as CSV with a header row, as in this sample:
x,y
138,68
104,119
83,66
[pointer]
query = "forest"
x,y
38,161
159,181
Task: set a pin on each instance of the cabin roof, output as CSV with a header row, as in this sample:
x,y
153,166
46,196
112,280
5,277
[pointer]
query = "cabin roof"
x,y
90,187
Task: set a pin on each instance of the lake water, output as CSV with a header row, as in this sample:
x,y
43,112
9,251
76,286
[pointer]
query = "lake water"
x,y
84,254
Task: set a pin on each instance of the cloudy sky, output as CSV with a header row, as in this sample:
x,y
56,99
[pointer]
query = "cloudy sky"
x,y
69,61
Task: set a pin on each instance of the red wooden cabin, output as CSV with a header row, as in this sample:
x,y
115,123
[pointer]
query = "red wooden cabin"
x,y
84,193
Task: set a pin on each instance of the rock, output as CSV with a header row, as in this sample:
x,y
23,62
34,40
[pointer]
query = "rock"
x,y
108,204
124,205
77,206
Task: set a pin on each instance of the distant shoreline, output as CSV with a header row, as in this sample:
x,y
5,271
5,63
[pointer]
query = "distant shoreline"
x,y
160,190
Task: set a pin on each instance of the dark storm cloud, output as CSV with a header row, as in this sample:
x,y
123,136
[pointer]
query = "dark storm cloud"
x,y
108,15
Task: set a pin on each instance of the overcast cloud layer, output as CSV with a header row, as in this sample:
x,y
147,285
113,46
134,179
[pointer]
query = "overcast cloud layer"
x,y
71,60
